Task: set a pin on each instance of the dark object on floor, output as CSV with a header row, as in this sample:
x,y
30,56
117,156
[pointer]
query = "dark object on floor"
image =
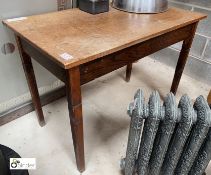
x,y
5,155
175,140
3,165
94,6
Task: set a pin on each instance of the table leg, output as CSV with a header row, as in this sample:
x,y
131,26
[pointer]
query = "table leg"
x,y
209,98
182,59
31,80
128,72
75,113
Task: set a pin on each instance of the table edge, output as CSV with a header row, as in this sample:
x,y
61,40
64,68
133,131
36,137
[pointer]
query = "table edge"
x,y
105,53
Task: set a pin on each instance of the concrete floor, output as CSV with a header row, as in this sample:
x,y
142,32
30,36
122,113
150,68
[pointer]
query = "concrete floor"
x,y
106,123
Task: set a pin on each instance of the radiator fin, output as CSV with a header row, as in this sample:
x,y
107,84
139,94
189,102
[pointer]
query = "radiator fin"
x,y
163,136
203,157
134,133
179,138
149,132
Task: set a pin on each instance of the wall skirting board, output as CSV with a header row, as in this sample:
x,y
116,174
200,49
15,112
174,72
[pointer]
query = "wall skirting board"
x,y
21,105
25,98
28,107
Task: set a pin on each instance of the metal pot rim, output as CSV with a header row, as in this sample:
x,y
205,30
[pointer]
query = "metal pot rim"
x,y
142,7
129,11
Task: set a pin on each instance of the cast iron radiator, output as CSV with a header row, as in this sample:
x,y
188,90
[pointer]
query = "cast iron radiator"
x,y
166,139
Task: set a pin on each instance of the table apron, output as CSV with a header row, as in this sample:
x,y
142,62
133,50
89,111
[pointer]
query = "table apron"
x,y
101,66
97,68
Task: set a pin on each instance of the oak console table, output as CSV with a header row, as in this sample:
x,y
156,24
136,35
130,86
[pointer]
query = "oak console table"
x,y
78,47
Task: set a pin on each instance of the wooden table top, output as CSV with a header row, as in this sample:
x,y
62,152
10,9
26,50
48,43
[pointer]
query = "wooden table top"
x,y
73,37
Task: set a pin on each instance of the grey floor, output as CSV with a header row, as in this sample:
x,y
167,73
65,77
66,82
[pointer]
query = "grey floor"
x,y
106,123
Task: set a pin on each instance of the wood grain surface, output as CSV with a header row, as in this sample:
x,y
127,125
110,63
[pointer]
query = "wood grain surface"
x,y
87,37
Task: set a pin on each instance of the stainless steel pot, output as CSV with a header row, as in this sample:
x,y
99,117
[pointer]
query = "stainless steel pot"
x,y
141,6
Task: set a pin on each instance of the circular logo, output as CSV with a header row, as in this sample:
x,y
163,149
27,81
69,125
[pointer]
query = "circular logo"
x,y
14,165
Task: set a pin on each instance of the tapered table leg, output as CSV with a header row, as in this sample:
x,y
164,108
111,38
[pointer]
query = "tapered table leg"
x,y
128,72
183,59
75,112
29,72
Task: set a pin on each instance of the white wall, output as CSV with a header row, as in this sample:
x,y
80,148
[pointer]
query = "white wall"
x,y
13,86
